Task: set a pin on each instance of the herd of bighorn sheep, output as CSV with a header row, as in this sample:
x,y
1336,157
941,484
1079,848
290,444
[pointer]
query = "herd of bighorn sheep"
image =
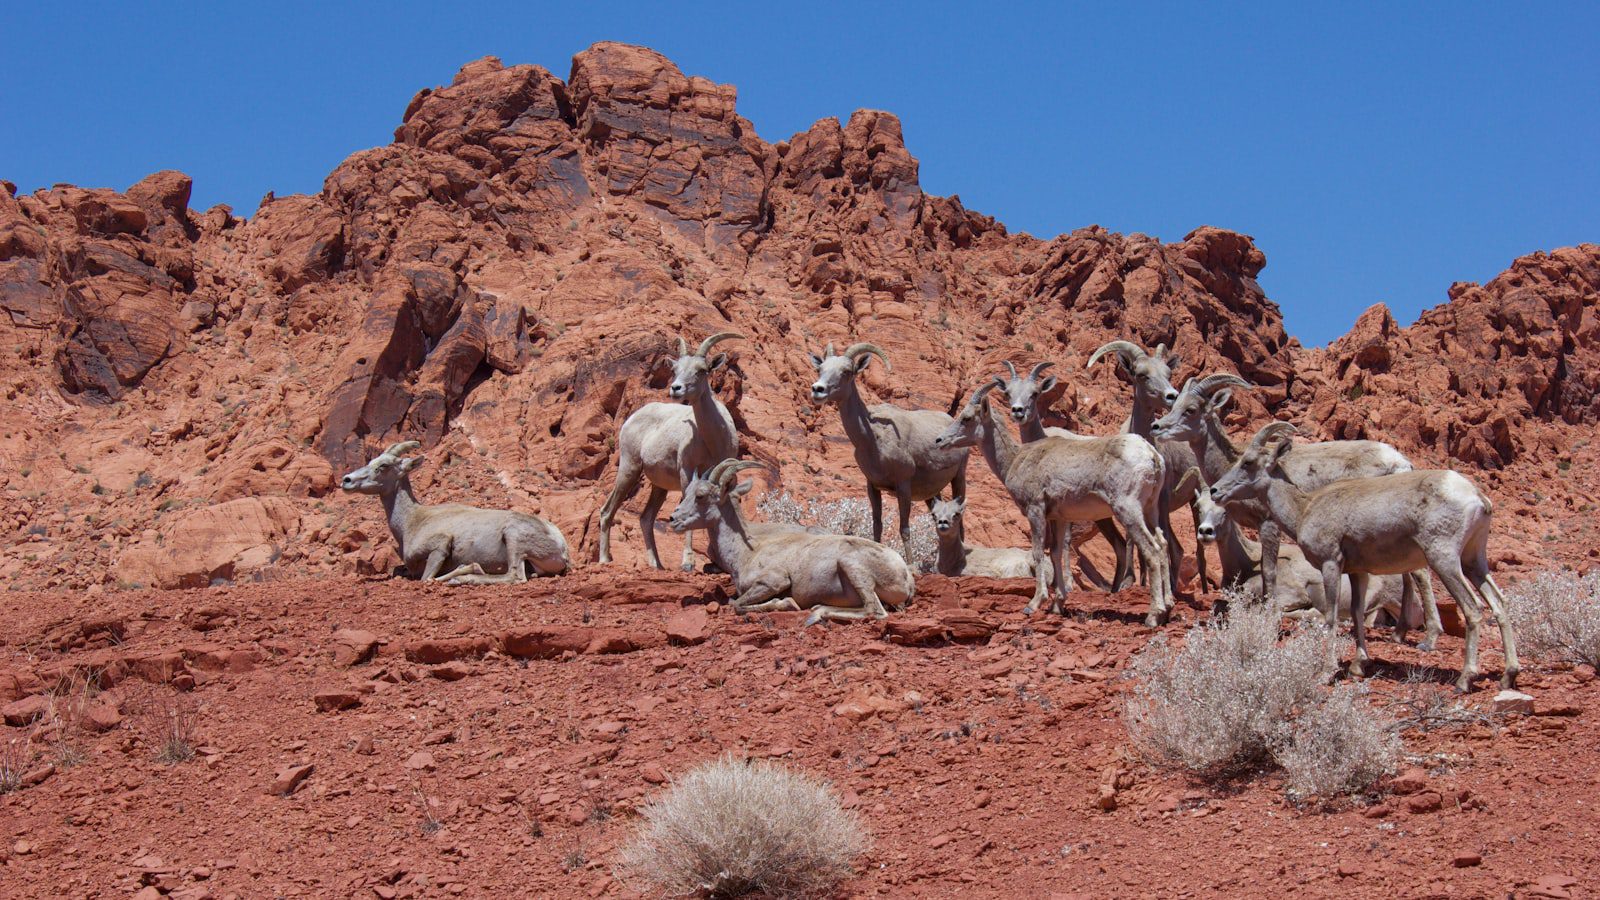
x,y
1367,528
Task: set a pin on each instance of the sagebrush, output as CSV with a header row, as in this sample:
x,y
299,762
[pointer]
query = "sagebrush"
x,y
1557,615
734,827
854,517
1239,696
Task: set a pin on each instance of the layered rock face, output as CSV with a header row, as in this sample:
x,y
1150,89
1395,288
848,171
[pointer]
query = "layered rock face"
x,y
506,282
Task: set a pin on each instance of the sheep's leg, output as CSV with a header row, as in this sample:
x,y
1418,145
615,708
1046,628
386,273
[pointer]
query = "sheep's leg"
x,y
1170,538
1332,570
647,524
1138,523
1041,573
875,501
628,474
902,497
1358,622
1123,576
1478,573
1059,571
779,604
1270,536
1075,543
858,577
1431,626
1448,567
436,560
759,592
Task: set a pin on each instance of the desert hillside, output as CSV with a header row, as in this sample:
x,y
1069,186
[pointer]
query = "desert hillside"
x,y
507,280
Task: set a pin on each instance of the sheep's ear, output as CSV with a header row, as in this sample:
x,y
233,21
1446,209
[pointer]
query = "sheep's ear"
x,y
961,505
742,488
1219,401
720,361
1282,446
1000,382
1047,384
411,462
863,361
1173,359
816,361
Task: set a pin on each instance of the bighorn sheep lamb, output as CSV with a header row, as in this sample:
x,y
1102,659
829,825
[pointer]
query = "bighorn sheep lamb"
x,y
1384,525
666,442
1057,481
836,576
1151,374
1022,396
958,559
1196,419
1299,588
894,447
485,546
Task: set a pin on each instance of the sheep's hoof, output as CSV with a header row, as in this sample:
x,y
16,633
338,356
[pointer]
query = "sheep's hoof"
x,y
1153,620
1030,609
816,618
688,567
1356,669
1427,645
1508,679
1464,683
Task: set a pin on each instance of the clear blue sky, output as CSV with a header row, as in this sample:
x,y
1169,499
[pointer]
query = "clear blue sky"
x,y
1378,152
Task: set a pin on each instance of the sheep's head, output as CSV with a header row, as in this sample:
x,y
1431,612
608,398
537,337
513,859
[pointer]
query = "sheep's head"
x,y
947,515
1209,515
835,373
1150,373
967,429
1023,393
1251,473
1200,397
705,493
691,372
385,472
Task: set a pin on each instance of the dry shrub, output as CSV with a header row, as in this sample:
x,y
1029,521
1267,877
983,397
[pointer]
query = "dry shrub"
x,y
1557,615
1339,745
15,757
171,726
734,827
1239,697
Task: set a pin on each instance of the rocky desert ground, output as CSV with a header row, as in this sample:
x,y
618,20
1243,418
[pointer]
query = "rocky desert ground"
x,y
505,282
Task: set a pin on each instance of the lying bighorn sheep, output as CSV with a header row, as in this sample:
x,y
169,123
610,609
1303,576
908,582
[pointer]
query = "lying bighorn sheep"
x,y
666,442
1151,374
836,576
1381,526
1196,419
475,541
894,447
1022,396
956,558
1056,481
1299,587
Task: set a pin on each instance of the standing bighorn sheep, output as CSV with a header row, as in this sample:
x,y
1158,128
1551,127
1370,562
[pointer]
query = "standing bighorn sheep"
x,y
1384,525
836,576
1151,375
894,447
956,558
667,442
483,546
1196,419
1056,481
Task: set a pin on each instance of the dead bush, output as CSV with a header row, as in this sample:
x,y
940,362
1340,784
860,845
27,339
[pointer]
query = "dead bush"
x,y
1557,615
15,757
734,827
171,727
1338,745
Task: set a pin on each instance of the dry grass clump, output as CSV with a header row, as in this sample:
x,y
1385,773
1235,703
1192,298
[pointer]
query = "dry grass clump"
x,y
734,827
1239,697
172,731
15,758
1557,614
854,517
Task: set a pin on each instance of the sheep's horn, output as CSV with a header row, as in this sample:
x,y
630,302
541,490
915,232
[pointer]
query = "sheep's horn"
x,y
1039,370
982,391
1272,431
726,470
683,347
1212,383
854,351
1011,368
708,343
402,447
828,351
1128,352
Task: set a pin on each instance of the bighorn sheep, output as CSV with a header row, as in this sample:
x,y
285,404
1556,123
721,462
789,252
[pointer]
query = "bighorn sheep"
x,y
836,576
1383,525
894,447
1022,396
485,546
1151,375
666,442
1196,419
1299,588
956,558
1057,481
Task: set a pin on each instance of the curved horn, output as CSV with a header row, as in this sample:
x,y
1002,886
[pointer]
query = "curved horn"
x,y
981,391
683,347
1012,369
708,343
1039,370
1212,383
854,351
1270,432
402,447
726,470
828,351
1126,350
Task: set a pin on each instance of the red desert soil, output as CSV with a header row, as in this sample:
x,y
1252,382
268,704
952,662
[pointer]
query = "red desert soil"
x,y
505,282
501,739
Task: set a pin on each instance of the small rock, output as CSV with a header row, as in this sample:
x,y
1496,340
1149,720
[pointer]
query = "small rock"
x,y
451,671
353,646
1106,800
688,626
25,711
290,779
1427,802
148,892
1377,811
335,699
1509,701
653,773
421,760
1410,781
22,848
1466,860
364,746
940,841
101,717
1348,869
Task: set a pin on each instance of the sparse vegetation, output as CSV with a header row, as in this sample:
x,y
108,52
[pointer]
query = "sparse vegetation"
x,y
734,827
1557,615
14,759
1238,697
173,732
